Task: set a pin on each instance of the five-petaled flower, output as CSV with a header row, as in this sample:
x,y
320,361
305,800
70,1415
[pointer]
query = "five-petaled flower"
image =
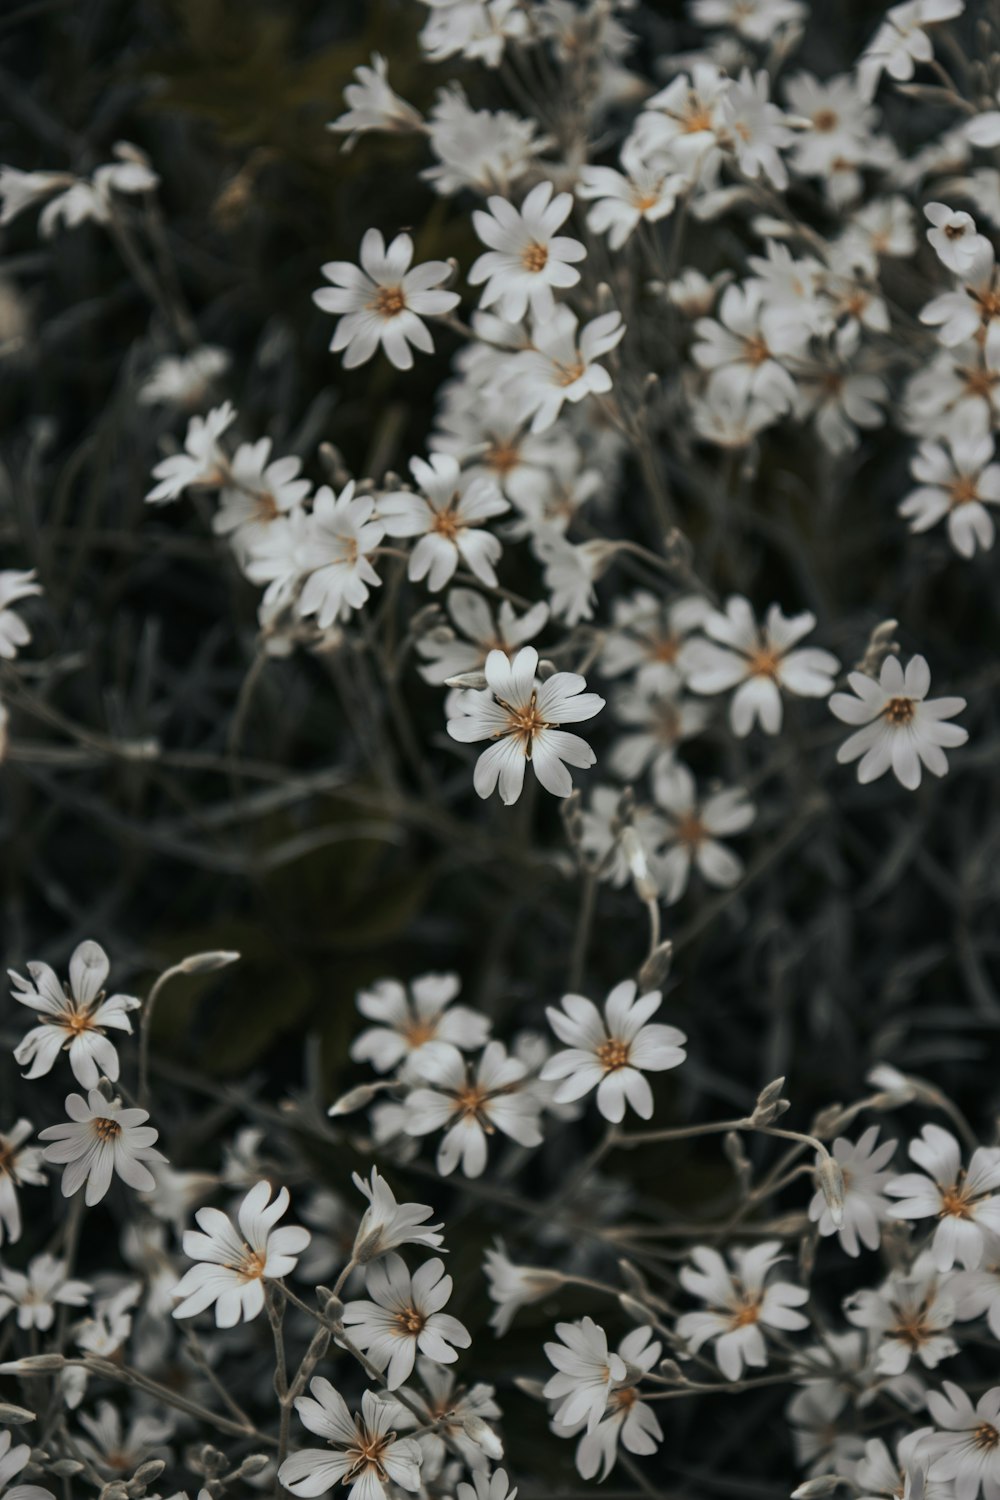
x,y
611,1053
234,1264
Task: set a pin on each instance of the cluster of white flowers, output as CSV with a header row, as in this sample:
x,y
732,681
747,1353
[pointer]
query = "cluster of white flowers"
x,y
675,271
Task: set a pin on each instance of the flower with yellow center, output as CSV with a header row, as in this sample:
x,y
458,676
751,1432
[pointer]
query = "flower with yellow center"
x,y
233,1264
612,1052
364,1451
75,1018
402,1314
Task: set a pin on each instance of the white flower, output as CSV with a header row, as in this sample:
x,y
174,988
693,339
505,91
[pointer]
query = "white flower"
x,y
512,1286
757,128
448,516
657,722
78,198
12,1461
203,461
960,1200
865,1174
629,1420
486,150
233,1265
967,1452
743,350
902,726
495,1486
758,662
906,1318
878,1474
757,20
692,830
612,1053
183,380
74,1019
645,190
740,1305
523,718
387,1224
900,41
36,1295
561,366
978,1292
14,586
622,842
958,480
416,1023
478,29
526,258
954,237
586,1370
18,1164
972,310
370,1455
841,122
257,492
116,1451
569,574
446,654
460,1420
404,1315
99,1140
469,1106
339,535
646,637
383,301
373,105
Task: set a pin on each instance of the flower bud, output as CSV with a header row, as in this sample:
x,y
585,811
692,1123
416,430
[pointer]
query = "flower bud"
x,y
830,1178
207,963
769,1105
823,1484
656,968
13,1416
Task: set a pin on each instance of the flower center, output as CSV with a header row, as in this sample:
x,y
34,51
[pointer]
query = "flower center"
x,y
746,1314
623,1400
962,491
348,550
410,1321
76,1022
388,302
534,257
569,374
8,1161
912,1328
955,1203
985,1436
612,1055
755,350
251,1267
502,457
665,649
764,662
267,507
644,201
989,303
470,1100
980,382
419,1031
367,1452
524,721
446,524
825,120
899,711
105,1129
690,830
697,118
954,231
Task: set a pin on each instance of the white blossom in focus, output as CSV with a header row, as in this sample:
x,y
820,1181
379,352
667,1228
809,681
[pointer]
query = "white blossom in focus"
x,y
384,301
902,728
233,1264
73,1019
523,718
612,1052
